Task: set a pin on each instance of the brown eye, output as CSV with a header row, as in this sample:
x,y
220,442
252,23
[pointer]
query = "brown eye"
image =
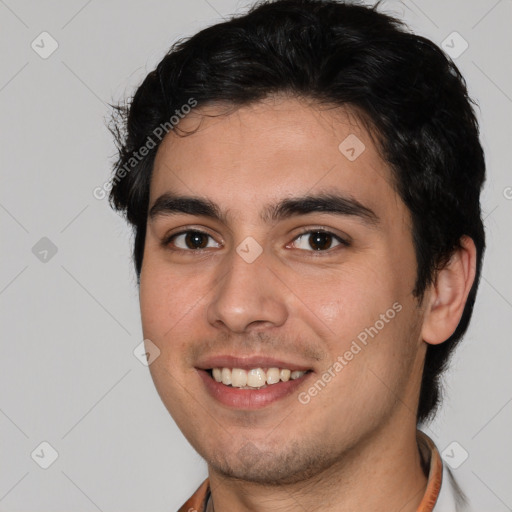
x,y
317,240
190,240
320,241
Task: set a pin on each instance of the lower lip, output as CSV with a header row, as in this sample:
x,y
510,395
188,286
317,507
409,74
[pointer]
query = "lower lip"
x,y
250,398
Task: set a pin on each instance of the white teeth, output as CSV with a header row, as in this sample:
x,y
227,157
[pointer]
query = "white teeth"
x,y
226,376
254,378
284,375
238,378
272,375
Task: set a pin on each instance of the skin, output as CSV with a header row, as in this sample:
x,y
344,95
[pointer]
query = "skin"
x,y
293,303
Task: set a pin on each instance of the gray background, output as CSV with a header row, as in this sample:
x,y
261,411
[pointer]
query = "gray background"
x,y
70,320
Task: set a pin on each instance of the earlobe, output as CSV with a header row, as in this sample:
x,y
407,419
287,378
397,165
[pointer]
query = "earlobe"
x,y
449,293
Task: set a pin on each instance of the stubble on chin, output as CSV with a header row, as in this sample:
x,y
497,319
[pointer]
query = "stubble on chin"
x,y
298,462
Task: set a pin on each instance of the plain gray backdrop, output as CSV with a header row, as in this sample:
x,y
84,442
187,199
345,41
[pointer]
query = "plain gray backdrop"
x,y
68,297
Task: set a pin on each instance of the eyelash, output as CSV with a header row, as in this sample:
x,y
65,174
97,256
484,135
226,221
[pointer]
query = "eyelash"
x,y
342,242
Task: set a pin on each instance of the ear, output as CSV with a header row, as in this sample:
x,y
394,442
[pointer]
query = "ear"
x,y
448,294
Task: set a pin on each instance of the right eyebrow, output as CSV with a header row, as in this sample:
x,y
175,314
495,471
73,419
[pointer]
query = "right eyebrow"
x,y
169,204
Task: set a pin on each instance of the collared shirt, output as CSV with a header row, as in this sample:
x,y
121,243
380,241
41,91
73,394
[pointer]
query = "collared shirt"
x,y
442,493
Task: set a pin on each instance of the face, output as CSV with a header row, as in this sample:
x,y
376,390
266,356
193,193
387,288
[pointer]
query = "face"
x,y
279,260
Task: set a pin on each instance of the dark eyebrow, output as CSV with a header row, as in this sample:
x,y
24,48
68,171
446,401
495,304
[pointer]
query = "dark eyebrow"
x,y
169,204
322,203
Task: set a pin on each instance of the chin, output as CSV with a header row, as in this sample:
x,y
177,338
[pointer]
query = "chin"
x,y
271,468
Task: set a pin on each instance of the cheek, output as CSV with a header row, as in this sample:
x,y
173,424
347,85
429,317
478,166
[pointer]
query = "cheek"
x,y
167,307
369,323
165,297
349,301
153,297
376,363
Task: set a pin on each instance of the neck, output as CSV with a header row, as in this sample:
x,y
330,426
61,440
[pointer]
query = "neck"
x,y
382,472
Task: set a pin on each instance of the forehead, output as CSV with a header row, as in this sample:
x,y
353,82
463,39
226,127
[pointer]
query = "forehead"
x,y
271,149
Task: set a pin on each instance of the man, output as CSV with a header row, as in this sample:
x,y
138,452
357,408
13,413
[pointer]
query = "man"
x,y
304,186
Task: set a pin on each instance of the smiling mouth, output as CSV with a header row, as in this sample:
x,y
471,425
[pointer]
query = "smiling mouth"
x,y
254,378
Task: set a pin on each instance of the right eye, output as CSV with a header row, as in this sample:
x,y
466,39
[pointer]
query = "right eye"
x,y
191,240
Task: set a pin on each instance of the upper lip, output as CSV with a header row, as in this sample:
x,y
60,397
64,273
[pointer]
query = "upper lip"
x,y
248,362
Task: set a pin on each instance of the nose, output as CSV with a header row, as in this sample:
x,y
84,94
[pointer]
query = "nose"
x,y
247,297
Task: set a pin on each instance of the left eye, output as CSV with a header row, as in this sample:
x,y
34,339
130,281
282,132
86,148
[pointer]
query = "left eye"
x,y
317,241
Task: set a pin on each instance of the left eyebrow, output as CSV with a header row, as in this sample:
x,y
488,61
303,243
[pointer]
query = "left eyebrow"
x,y
321,203
171,204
